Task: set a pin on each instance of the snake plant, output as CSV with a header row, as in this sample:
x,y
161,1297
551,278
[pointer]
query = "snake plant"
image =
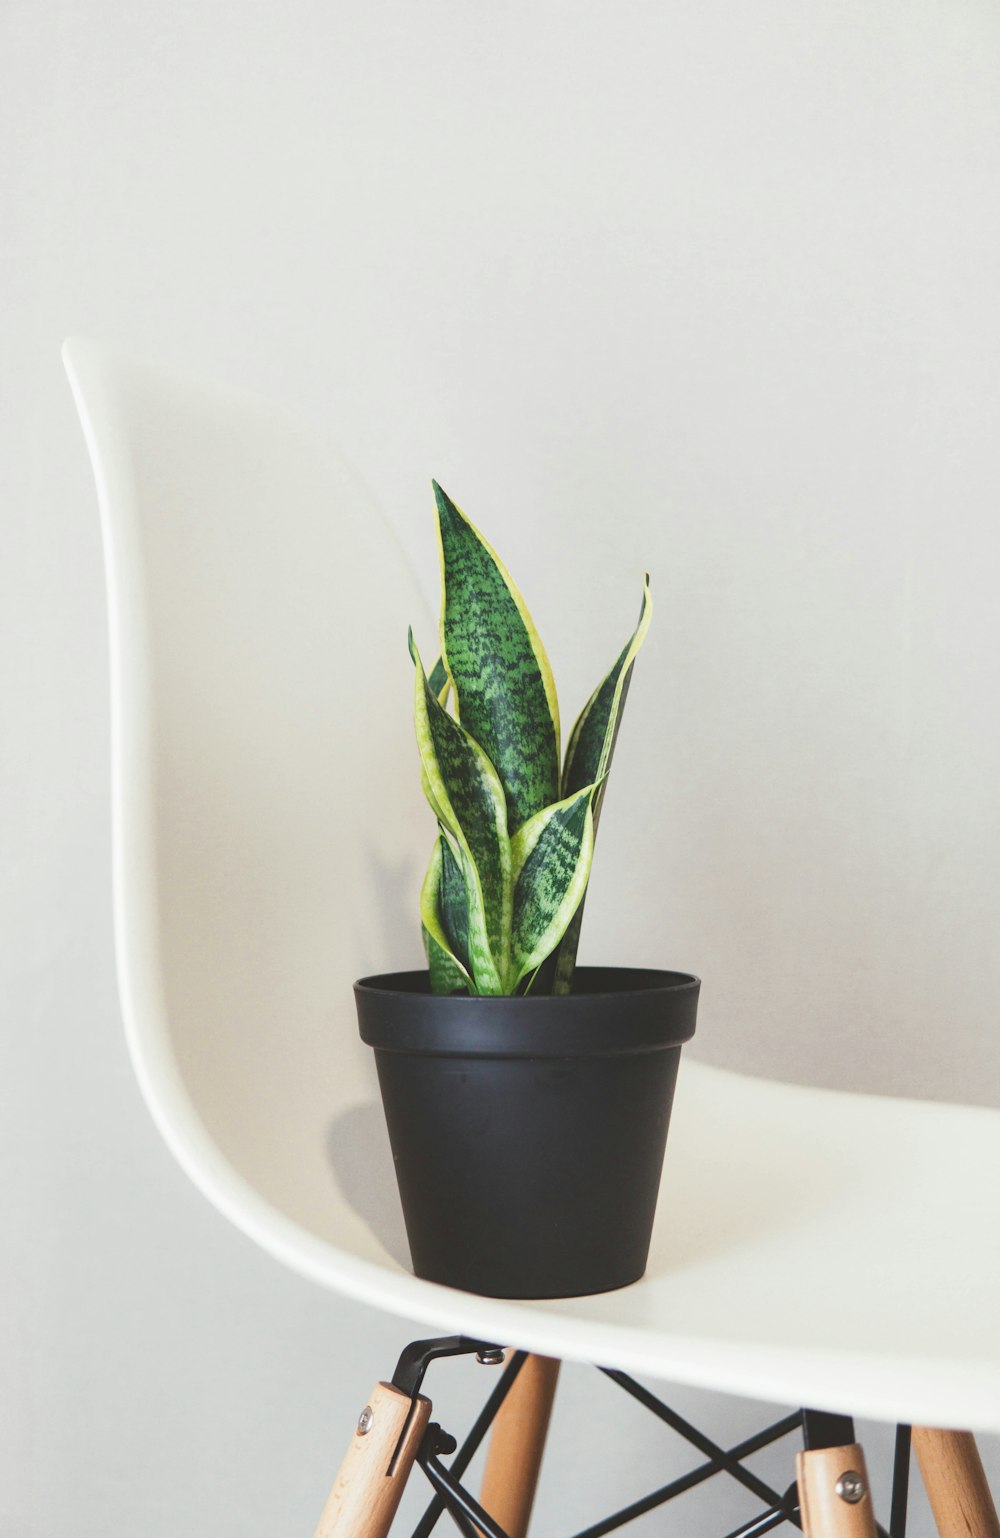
x,y
502,900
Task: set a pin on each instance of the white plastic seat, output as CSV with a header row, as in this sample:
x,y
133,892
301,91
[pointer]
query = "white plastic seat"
x,y
811,1247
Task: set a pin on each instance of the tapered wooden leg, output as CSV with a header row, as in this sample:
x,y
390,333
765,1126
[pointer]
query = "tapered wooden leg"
x,y
373,1475
834,1497
952,1471
517,1442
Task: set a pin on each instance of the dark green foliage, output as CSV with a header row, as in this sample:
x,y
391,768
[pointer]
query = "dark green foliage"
x,y
502,901
501,676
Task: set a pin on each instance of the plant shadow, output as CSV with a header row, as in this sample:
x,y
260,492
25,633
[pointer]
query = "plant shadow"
x,y
357,1146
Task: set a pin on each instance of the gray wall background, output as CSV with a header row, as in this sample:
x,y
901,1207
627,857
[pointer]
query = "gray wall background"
x,y
708,289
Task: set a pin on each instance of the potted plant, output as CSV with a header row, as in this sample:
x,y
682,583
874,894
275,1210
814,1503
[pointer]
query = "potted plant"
x,y
527,1099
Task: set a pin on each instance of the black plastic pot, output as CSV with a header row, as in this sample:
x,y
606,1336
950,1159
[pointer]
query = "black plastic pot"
x,y
528,1134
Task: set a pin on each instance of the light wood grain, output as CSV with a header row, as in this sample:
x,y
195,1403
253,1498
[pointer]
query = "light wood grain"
x,y
517,1443
373,1475
953,1476
825,1514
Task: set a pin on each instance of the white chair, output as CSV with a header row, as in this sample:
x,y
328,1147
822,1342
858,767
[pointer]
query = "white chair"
x,y
812,1248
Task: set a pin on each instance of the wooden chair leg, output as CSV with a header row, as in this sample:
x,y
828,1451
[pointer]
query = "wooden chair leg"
x,y
517,1442
834,1497
952,1471
373,1475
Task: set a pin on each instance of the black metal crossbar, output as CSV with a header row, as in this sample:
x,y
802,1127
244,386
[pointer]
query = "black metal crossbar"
x,y
473,1521
460,1504
786,1511
696,1477
704,1444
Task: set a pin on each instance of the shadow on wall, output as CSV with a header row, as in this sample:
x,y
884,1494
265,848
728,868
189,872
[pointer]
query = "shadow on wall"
x,y
357,1146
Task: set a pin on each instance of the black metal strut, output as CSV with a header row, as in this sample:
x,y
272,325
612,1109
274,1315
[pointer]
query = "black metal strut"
x,y
819,1429
419,1354
470,1446
697,1476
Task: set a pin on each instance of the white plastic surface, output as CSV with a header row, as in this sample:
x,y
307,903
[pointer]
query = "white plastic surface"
x,y
811,1247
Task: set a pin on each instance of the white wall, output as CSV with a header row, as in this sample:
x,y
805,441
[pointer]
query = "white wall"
x,y
703,288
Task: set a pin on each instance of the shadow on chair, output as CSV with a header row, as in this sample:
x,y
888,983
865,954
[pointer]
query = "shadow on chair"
x,y
358,1149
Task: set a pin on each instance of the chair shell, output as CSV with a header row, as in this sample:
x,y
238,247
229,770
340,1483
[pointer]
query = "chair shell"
x,y
269,840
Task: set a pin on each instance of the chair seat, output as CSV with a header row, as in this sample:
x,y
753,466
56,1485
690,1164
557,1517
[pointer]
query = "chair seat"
x,y
811,1247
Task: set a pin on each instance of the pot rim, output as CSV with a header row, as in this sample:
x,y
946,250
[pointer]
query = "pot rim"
x,y
400,984
625,1010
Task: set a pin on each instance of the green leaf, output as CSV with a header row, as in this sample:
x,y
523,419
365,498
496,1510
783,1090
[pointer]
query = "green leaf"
x,y
540,981
444,904
446,975
588,760
592,740
439,681
504,691
552,853
425,786
444,921
452,901
466,795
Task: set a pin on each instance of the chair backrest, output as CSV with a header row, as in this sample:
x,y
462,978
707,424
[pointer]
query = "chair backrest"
x,y
269,831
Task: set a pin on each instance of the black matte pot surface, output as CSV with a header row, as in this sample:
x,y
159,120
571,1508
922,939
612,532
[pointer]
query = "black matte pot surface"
x,y
528,1133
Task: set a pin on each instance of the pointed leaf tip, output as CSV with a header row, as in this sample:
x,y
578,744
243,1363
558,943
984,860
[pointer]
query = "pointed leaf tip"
x,y
441,497
439,681
502,681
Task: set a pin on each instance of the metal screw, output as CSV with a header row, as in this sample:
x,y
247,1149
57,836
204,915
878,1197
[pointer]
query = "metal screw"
x,y
850,1487
366,1421
494,1357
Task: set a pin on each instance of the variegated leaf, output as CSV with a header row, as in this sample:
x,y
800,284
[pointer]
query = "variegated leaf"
x,y
551,853
445,973
453,902
504,691
468,799
588,760
439,681
443,907
592,740
447,958
425,786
